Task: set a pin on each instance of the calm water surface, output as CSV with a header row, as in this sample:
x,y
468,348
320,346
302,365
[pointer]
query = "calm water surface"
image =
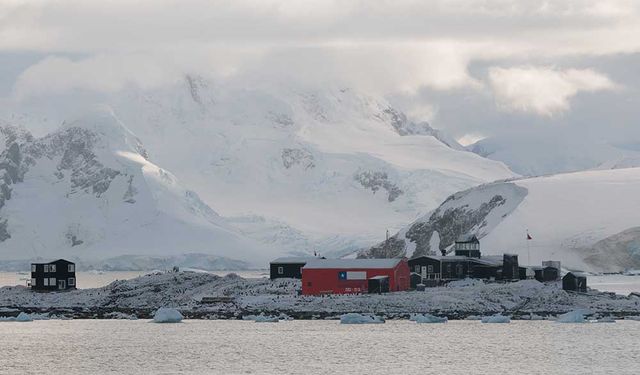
x,y
318,347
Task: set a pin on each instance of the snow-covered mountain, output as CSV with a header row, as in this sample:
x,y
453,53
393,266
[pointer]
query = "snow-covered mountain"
x,y
297,169
587,220
535,154
88,191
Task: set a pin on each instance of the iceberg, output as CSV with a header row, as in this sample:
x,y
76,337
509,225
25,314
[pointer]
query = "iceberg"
x,y
576,316
428,318
355,318
22,317
265,319
167,315
498,318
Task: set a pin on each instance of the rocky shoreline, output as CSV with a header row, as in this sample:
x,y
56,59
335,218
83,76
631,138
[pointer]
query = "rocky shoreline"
x,y
235,297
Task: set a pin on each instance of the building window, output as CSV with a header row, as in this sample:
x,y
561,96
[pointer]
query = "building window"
x,y
459,270
418,268
280,270
448,269
52,268
72,281
46,268
46,281
33,282
33,268
71,268
430,268
52,281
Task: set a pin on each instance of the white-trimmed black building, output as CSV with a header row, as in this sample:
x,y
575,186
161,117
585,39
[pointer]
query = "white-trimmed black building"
x,y
57,275
288,267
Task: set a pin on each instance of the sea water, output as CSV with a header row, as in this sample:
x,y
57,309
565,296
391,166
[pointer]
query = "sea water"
x,y
318,347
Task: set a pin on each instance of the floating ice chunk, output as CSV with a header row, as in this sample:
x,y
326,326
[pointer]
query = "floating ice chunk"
x,y
266,319
605,319
167,315
576,316
249,317
22,317
531,316
355,318
498,318
473,317
636,318
428,318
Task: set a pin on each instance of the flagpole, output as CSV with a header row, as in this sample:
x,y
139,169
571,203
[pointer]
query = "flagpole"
x,y
528,249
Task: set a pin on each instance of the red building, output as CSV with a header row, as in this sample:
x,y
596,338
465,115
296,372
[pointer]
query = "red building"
x,y
346,276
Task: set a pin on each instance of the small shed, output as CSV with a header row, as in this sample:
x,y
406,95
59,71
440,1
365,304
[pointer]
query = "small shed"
x,y
378,284
288,267
57,275
575,282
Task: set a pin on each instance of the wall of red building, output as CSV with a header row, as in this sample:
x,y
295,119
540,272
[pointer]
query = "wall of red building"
x,y
325,281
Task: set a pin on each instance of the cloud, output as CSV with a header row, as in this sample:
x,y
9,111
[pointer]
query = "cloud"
x,y
543,90
385,46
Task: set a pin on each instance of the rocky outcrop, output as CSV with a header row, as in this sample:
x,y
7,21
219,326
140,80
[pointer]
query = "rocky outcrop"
x,y
297,157
376,180
476,210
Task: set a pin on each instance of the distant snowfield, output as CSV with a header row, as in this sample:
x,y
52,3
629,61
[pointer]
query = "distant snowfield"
x,y
568,213
587,220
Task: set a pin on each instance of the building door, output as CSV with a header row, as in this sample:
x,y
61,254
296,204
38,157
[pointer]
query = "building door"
x,y
62,284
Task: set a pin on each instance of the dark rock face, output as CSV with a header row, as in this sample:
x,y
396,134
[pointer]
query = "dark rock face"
x,y
297,156
393,248
376,180
450,224
73,148
462,213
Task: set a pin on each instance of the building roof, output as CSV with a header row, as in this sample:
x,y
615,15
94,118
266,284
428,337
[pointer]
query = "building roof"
x,y
467,238
576,274
352,263
55,261
293,260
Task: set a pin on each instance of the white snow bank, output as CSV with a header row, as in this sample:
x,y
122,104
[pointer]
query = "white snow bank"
x,y
355,318
464,283
498,318
167,315
22,317
576,316
428,318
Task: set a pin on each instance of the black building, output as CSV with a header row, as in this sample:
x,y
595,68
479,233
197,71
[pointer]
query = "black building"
x,y
289,267
575,282
467,246
57,275
545,274
510,267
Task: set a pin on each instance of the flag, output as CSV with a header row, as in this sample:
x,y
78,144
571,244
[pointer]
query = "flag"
x,y
529,236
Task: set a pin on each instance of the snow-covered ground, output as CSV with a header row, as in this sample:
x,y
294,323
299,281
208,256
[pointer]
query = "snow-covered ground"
x,y
184,290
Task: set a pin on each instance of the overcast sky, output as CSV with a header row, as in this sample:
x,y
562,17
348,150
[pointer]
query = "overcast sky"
x,y
473,68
